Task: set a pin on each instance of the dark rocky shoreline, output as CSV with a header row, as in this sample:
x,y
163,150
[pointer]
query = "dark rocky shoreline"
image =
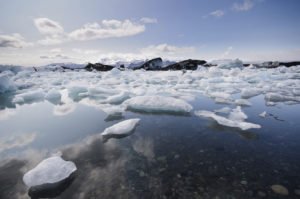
x,y
156,64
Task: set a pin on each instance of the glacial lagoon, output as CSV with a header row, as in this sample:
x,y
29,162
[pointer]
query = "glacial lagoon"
x,y
170,153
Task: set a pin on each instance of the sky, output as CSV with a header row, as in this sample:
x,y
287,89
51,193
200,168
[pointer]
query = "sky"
x,y
53,31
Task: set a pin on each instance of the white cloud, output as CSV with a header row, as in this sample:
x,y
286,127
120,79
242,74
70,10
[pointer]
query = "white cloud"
x,y
86,51
227,52
57,56
53,31
107,29
244,6
217,13
48,27
55,34
7,113
56,50
13,41
148,20
16,141
165,49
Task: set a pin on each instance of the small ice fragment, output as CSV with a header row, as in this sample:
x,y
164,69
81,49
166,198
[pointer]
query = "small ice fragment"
x,y
263,114
119,98
242,102
50,170
235,119
120,129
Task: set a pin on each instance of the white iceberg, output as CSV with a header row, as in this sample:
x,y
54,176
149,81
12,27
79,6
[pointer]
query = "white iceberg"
x,y
158,104
236,118
50,170
120,129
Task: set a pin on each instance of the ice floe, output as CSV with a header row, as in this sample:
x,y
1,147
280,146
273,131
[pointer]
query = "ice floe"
x,y
156,104
236,118
120,129
50,170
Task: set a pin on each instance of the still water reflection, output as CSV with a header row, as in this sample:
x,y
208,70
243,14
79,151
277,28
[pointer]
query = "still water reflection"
x,y
168,156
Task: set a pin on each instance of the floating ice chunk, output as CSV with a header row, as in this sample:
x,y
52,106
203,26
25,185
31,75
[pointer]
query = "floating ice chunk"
x,y
29,97
235,119
242,102
263,114
119,98
6,84
250,92
237,114
219,95
120,129
158,104
77,92
276,97
223,110
53,96
50,170
219,100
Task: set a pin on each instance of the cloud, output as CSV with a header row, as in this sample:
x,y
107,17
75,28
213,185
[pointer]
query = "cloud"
x,y
165,49
16,141
217,13
48,27
7,113
13,41
57,56
56,50
227,52
86,52
148,20
244,6
55,34
53,31
107,29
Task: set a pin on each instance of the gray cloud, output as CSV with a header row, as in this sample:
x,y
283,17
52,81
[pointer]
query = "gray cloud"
x,y
13,41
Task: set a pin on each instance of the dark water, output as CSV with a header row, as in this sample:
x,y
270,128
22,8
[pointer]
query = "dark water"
x,y
168,156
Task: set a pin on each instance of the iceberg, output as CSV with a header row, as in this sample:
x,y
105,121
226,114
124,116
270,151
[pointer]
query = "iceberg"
x,y
236,118
6,84
50,170
156,104
120,129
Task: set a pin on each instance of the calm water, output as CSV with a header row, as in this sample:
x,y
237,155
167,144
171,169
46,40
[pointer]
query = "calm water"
x,y
168,156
